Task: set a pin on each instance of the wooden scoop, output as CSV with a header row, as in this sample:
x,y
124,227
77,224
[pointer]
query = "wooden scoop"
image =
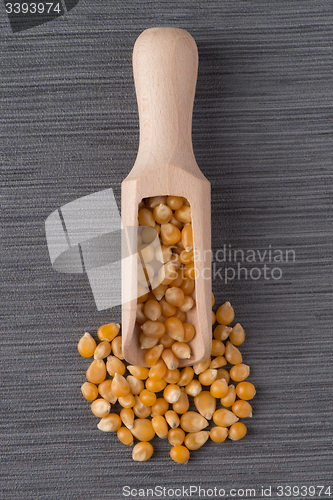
x,y
165,63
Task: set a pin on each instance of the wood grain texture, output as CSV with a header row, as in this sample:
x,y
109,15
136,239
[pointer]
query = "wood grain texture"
x,y
262,135
165,65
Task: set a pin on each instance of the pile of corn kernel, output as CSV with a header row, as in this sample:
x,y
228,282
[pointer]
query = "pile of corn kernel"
x,y
155,400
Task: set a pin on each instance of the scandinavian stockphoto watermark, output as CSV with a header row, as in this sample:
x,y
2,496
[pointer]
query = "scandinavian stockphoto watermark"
x,y
87,236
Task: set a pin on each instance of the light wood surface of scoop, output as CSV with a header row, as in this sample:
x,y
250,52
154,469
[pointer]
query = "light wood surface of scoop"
x,y
165,63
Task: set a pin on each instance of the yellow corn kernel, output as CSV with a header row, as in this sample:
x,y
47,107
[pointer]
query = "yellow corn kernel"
x,y
115,365
177,282
218,362
245,390
194,440
189,332
192,421
208,376
160,407
187,286
213,300
100,407
180,315
127,417
162,214
155,385
104,388
193,388
102,350
174,296
174,202
219,388
140,409
147,342
172,393
127,401
232,354
224,418
222,332
110,423
116,346
186,257
158,370
108,332
187,237
148,398
86,345
237,431
176,436
89,391
182,405
140,372
213,318
170,234
160,426
237,335
125,436
218,434
149,234
166,341
96,372
180,454
170,359
153,329
218,348
205,404
143,429
152,310
189,271
153,201
146,218
225,314
167,274
181,350
142,294
163,254
172,418
120,387
201,367
229,398
239,372
142,452
158,290
146,253
167,309
187,304
186,375
222,373
172,376
136,385
175,329
154,354
242,408
183,214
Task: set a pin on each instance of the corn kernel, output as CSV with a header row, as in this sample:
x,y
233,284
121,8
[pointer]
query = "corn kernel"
x,y
140,372
183,214
174,202
120,387
153,201
160,426
158,370
160,407
213,300
162,214
187,304
193,388
245,390
104,388
147,342
100,407
237,335
194,440
152,310
223,374
127,416
116,346
187,286
86,345
181,350
172,376
222,332
96,372
142,294
102,350
182,405
224,418
242,408
239,372
207,377
170,359
218,434
175,329
177,282
110,423
166,341
155,385
205,403
108,332
229,398
174,296
232,354
140,409
218,362
213,318
170,234
237,431
172,393
176,436
201,367
219,388
192,421
146,218
180,454
154,354
142,452
89,391
115,365
225,314
136,385
218,348
172,418
186,375
189,332
148,398
143,429
125,436
127,401
153,329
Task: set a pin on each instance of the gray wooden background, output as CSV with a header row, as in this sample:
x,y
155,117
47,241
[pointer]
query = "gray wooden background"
x,y
262,134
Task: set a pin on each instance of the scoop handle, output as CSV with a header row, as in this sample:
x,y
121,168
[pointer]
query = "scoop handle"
x,y
165,66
